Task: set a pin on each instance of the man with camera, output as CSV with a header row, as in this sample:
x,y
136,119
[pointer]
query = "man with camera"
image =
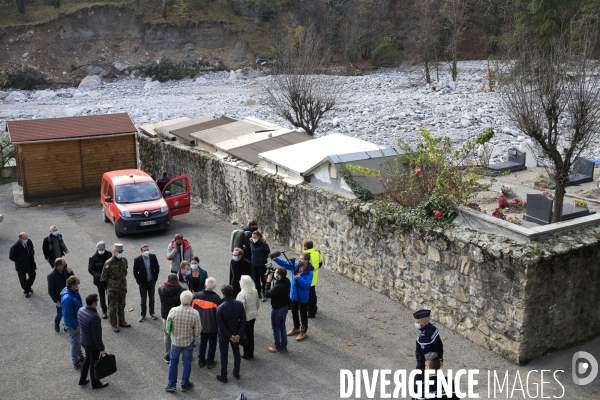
x,y
279,296
300,288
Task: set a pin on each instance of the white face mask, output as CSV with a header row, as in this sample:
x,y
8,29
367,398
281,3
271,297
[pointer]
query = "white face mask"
x,y
254,240
146,253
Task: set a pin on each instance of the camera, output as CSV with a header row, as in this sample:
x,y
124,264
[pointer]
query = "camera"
x,y
270,270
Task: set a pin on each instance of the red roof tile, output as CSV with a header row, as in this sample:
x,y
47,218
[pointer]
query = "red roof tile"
x,y
69,127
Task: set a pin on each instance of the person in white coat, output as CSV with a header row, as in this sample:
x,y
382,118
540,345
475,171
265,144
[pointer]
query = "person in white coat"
x,y
249,298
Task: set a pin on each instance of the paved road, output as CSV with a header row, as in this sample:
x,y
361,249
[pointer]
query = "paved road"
x,y
355,329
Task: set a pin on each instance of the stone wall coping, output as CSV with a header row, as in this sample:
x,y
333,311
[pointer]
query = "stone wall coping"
x,y
519,233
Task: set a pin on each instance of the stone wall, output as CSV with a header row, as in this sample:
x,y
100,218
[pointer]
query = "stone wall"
x,y
519,300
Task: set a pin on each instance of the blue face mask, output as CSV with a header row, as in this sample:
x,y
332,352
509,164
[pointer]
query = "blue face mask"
x,y
119,256
188,273
55,233
417,326
100,251
79,287
194,266
25,241
235,258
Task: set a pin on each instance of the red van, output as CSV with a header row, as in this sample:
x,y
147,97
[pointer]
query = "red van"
x,y
132,201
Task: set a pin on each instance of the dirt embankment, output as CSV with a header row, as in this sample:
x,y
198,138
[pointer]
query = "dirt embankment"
x,y
97,39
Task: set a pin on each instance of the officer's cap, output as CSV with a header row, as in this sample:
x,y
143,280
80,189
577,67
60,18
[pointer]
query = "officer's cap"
x,y
118,246
422,314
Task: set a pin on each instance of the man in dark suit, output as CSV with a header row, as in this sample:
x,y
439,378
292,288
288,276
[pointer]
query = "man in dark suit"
x,y
231,321
91,340
22,254
145,271
57,281
53,246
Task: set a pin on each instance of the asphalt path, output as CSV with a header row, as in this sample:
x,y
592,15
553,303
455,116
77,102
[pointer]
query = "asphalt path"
x,y
356,328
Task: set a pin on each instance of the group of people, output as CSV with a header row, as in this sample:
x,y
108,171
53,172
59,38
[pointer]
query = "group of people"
x,y
228,319
190,308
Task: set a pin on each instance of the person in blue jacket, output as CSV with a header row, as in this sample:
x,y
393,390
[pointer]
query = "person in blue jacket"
x,y
70,301
301,281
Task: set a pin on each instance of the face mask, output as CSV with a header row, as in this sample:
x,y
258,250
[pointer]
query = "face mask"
x,y
100,251
146,253
188,273
417,326
194,266
254,240
25,241
55,233
275,276
235,258
79,287
119,256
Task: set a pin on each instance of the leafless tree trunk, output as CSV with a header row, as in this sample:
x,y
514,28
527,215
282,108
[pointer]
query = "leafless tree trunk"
x,y
21,6
300,90
423,33
454,11
164,10
552,91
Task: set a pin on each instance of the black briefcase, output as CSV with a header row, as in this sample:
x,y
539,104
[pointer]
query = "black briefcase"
x,y
105,366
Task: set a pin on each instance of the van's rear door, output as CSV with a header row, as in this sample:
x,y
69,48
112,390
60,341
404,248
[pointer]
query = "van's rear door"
x,y
179,199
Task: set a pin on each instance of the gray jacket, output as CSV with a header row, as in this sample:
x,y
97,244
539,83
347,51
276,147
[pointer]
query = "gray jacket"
x,y
175,258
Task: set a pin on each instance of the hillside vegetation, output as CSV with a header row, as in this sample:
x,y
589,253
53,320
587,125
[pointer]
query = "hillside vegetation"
x,y
381,32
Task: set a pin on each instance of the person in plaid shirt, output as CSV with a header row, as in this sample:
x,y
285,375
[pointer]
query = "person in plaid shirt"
x,y
184,324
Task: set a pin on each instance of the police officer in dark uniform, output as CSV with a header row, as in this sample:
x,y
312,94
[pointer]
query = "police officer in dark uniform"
x,y
429,339
433,362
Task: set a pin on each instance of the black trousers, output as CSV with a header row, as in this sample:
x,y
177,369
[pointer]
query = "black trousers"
x,y
91,356
26,282
312,301
224,350
102,295
260,280
51,261
249,331
303,315
147,291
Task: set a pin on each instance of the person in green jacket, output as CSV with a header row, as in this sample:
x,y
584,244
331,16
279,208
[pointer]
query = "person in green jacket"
x,y
316,259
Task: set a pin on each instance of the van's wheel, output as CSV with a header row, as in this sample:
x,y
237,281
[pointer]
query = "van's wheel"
x,y
118,233
104,217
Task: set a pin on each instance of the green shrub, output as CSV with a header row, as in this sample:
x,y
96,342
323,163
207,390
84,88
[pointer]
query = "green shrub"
x,y
27,79
386,52
430,179
167,69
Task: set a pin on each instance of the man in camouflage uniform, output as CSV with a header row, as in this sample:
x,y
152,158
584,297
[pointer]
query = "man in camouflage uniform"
x,y
114,274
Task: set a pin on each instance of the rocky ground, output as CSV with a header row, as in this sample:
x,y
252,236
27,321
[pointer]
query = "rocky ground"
x,y
379,107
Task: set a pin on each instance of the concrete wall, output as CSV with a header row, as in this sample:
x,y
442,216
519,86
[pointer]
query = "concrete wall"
x,y
520,300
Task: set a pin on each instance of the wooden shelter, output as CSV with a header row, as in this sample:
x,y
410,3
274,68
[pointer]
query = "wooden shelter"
x,y
59,157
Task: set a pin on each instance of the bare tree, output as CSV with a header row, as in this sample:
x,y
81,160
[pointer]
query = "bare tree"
x,y
164,10
21,6
552,91
300,90
455,13
424,33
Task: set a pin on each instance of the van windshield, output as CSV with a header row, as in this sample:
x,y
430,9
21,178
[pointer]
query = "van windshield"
x,y
137,192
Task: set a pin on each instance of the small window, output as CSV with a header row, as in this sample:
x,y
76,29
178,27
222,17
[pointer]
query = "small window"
x,y
177,187
110,191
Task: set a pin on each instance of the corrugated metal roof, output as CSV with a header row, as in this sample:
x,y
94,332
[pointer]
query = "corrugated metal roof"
x,y
69,127
179,129
227,131
250,138
150,129
249,152
208,123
